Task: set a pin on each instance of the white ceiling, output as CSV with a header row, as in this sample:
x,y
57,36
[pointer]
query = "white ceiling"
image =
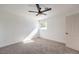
x,y
22,9
64,8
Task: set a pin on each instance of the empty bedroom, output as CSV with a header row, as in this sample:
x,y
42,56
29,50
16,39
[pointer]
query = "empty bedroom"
x,y
39,28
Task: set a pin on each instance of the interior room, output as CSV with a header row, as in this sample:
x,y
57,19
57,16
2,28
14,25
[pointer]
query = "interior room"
x,y
39,28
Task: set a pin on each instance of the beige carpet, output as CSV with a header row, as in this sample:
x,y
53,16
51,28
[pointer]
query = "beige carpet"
x,y
39,46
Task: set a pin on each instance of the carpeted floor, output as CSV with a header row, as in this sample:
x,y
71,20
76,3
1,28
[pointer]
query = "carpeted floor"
x,y
38,46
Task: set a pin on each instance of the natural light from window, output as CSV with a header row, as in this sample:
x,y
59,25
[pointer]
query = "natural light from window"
x,y
30,36
43,24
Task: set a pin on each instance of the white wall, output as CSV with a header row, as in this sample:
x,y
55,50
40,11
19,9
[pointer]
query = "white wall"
x,y
72,27
14,28
55,30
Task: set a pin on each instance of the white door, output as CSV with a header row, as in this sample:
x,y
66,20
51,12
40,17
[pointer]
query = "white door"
x,y
72,29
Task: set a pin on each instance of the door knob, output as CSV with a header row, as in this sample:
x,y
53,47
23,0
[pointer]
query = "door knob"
x,y
66,33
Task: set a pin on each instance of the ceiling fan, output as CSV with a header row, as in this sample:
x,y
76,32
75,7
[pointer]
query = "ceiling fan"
x,y
40,11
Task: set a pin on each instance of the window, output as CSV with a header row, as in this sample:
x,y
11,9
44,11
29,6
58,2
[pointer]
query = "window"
x,y
43,24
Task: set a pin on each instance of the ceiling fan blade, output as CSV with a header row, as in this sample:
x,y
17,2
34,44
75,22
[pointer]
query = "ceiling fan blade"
x,y
38,7
46,10
33,11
